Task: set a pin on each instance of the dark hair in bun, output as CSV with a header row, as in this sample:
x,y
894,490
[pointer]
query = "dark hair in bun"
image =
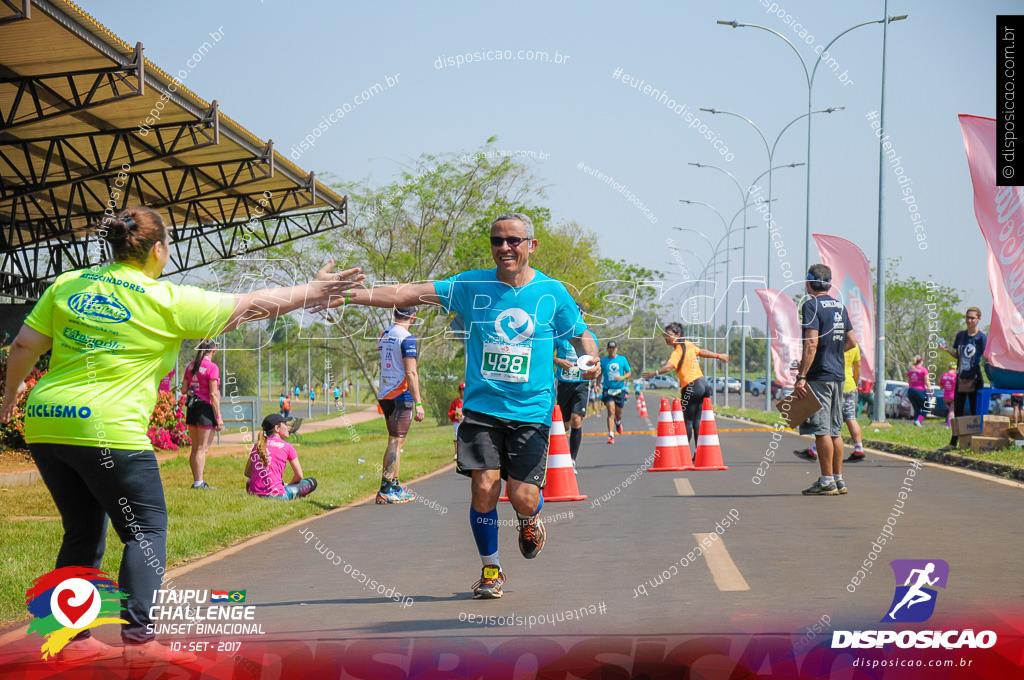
x,y
132,233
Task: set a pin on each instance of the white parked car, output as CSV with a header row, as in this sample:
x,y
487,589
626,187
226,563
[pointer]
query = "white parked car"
x,y
662,381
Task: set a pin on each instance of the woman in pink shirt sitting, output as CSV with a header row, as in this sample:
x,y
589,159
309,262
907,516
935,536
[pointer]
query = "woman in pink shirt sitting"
x,y
268,458
918,389
948,384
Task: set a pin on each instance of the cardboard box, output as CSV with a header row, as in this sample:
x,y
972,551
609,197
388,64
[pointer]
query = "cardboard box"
x,y
995,426
980,444
966,425
795,411
1016,431
964,441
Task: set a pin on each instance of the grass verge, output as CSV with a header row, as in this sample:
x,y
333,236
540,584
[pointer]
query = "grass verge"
x,y
927,439
200,523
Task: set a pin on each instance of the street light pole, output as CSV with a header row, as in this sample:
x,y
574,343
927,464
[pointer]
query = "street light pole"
x,y
768,272
745,196
809,79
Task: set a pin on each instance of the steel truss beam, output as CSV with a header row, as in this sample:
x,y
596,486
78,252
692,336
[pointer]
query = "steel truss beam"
x,y
21,229
39,97
57,162
26,272
24,12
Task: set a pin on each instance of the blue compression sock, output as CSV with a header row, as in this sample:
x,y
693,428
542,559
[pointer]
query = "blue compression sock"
x,y
540,505
485,532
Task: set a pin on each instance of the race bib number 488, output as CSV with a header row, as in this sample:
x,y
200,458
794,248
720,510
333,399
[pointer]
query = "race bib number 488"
x,y
505,363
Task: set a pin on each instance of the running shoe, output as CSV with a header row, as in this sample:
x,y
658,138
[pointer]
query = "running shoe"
x,y
918,423
203,485
395,494
855,457
618,427
489,585
611,440
841,486
574,470
819,489
531,537
806,454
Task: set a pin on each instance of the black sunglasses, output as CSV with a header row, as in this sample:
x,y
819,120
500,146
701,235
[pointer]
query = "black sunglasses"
x,y
512,241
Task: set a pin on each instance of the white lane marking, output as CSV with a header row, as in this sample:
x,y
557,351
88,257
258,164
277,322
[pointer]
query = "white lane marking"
x,y
683,487
723,570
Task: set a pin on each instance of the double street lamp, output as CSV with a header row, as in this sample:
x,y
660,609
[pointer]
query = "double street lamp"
x,y
809,79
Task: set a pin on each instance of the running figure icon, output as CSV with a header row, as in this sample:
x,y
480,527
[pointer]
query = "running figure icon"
x,y
915,595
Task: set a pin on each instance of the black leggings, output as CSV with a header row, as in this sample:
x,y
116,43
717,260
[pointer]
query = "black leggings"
x,y
959,401
918,398
692,397
88,487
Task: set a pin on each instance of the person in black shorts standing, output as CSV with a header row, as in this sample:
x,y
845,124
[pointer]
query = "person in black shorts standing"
x,y
572,392
398,397
827,334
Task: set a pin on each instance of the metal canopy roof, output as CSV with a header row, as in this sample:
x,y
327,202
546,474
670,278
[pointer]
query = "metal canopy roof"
x,y
75,140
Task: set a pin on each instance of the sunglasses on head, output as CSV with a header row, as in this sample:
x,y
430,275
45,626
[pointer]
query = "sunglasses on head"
x,y
512,241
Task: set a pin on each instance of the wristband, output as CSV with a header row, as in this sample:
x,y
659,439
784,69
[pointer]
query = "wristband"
x,y
419,403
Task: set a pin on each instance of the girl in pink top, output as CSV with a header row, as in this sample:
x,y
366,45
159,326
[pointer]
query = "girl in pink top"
x,y
201,384
948,384
918,389
267,461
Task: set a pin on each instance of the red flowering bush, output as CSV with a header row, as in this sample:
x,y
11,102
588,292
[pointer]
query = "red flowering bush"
x,y
12,433
167,429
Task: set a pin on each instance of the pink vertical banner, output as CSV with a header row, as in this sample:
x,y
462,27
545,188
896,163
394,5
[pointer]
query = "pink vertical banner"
x,y
785,333
1005,346
851,275
996,208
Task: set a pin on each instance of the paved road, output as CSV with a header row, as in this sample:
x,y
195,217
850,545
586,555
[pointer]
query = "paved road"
x,y
786,562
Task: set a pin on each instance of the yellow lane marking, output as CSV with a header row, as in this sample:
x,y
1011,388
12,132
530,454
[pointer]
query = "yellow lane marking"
x,y
723,570
683,487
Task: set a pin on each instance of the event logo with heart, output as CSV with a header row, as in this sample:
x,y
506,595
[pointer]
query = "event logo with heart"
x,y
69,600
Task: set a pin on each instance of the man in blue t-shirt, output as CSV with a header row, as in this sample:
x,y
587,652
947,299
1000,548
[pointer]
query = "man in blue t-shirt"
x,y
615,371
827,334
572,392
514,316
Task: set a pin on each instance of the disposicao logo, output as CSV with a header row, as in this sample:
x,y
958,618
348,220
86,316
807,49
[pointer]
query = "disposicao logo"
x,y
67,601
99,308
913,602
917,576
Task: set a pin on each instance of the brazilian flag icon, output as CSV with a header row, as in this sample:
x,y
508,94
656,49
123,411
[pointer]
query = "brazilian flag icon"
x,y
237,596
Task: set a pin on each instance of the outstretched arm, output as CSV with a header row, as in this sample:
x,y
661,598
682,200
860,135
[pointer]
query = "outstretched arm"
x,y
402,295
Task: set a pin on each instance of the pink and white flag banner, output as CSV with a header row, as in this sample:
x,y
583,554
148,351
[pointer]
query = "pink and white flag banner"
x,y
1005,346
851,275
784,330
998,210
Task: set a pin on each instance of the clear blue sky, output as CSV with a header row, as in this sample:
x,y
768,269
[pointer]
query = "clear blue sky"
x,y
282,66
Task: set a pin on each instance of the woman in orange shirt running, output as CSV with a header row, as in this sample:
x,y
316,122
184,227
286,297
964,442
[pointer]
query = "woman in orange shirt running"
x,y
693,387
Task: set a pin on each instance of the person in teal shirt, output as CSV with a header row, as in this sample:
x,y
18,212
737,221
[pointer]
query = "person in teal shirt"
x,y
615,373
514,318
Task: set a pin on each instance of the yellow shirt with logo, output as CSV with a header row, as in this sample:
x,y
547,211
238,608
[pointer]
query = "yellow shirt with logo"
x,y
116,333
850,355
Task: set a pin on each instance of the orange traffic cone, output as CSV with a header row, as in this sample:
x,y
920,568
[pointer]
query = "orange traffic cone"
x,y
642,405
666,448
560,484
709,451
681,439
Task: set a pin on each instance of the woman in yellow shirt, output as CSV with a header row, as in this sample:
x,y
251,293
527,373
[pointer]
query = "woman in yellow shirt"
x,y
693,388
114,332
